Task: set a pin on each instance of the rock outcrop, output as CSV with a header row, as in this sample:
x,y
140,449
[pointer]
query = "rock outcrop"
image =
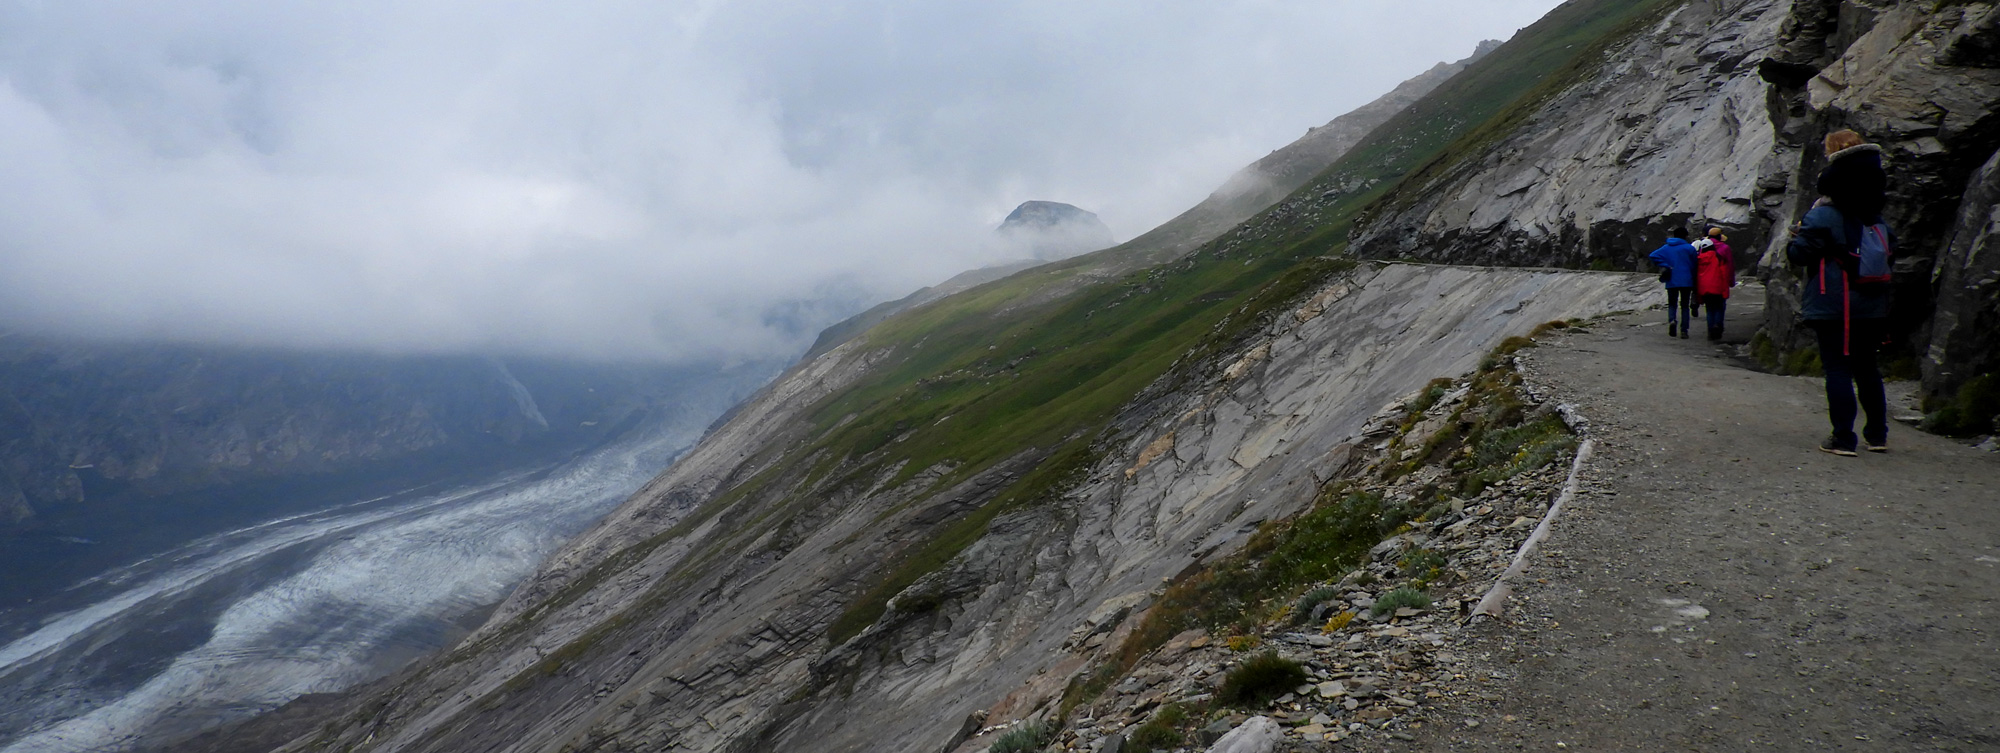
x,y
1712,115
1920,79
1667,128
667,630
753,598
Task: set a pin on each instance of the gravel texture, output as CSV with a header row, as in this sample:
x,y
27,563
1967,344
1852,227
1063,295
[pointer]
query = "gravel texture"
x,y
1723,585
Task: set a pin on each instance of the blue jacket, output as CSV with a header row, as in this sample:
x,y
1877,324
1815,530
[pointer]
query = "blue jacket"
x,y
1820,246
1678,255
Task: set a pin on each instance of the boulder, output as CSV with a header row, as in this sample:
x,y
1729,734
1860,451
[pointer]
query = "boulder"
x,y
1258,734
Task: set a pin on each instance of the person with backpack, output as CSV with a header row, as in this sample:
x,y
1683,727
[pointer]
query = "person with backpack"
x,y
1676,260
1715,274
1845,251
1853,180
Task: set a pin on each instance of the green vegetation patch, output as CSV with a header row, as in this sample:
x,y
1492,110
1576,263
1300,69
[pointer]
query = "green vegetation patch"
x,y
1494,97
1975,410
1282,570
1168,728
1027,738
1302,610
1259,679
1038,362
1401,598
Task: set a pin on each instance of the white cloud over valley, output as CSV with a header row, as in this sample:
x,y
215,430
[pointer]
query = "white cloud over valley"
x,y
678,180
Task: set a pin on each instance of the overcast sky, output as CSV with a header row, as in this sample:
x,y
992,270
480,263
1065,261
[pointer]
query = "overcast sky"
x,y
657,178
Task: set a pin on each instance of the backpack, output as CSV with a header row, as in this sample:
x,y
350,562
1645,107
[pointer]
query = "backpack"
x,y
1872,254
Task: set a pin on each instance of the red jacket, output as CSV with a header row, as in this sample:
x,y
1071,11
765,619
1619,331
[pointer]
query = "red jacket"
x,y
1714,271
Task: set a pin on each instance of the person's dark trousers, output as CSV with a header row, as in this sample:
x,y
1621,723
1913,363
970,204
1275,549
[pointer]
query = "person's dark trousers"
x,y
1680,302
1851,374
1716,306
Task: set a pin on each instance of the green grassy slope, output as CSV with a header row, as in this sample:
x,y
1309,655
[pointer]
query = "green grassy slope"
x,y
1007,369
975,380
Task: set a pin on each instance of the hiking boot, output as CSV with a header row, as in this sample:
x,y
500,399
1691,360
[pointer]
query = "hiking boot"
x,y
1684,332
1833,445
1715,334
1671,330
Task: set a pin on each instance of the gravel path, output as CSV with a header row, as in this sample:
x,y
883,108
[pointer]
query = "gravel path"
x,y
1722,585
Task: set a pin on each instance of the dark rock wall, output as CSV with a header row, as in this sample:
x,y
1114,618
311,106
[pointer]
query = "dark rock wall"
x,y
1922,80
1714,116
1966,323
1666,129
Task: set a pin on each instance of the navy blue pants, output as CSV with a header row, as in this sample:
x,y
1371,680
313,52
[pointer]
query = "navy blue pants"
x,y
1680,300
1716,305
1851,372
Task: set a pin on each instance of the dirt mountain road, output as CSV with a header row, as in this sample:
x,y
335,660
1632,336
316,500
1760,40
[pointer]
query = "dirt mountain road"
x,y
1722,585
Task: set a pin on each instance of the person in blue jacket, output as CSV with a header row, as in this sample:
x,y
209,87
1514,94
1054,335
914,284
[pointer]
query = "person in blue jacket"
x,y
1851,321
1677,263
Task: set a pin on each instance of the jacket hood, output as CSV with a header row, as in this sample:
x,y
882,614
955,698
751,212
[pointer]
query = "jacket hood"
x,y
1853,150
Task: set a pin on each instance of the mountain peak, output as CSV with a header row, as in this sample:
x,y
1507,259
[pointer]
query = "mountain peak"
x,y
1054,230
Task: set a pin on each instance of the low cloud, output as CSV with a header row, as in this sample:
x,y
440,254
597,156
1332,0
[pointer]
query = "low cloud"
x,y
679,181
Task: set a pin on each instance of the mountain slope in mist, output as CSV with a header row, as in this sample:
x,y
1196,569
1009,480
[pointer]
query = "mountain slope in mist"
x,y
806,573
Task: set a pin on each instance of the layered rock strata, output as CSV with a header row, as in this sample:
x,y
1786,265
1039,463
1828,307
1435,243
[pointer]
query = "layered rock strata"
x,y
1713,115
1670,129
666,630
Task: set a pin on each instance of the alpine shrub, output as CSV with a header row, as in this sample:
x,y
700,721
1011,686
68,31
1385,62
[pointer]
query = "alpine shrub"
x,y
1026,738
1399,598
1260,679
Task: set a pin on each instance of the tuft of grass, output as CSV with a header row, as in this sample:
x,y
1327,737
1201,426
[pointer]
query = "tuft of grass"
x,y
1332,538
1259,679
1027,738
1422,564
1973,411
1400,598
1764,351
1802,362
1501,454
1164,730
1302,610
1432,393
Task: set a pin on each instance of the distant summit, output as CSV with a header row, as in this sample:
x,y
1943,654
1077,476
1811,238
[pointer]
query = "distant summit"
x,y
1054,230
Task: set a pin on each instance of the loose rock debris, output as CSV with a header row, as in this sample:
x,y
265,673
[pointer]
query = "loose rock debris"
x,y
1370,675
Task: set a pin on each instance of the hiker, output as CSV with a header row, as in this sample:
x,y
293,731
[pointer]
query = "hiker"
x,y
1853,180
1715,274
1846,251
1676,260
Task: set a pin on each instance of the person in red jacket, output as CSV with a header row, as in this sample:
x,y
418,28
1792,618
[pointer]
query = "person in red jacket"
x,y
1715,274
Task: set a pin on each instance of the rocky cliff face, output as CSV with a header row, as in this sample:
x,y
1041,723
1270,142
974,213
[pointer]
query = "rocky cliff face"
x,y
1712,115
1668,126
953,518
1922,80
708,633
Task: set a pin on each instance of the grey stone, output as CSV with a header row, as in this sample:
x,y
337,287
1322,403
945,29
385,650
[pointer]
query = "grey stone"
x,y
1258,734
